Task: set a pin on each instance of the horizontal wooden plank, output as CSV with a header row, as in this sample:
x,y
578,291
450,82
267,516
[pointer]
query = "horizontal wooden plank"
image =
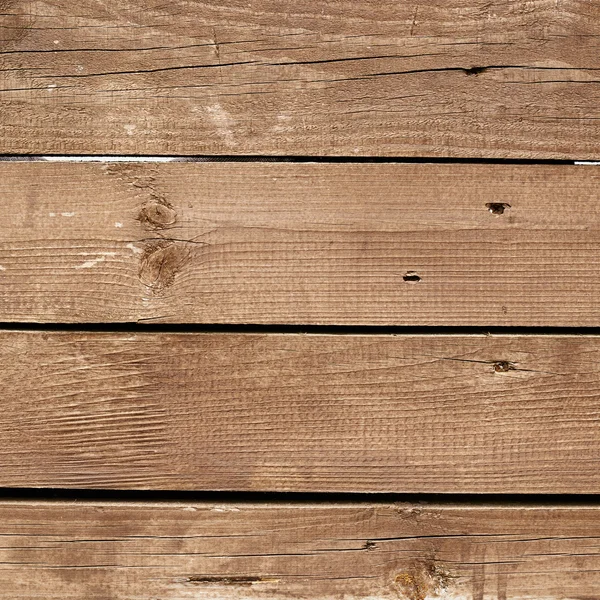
x,y
347,77
253,412
228,551
297,243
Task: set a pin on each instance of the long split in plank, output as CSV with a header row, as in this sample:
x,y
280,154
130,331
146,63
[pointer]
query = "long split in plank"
x,y
250,412
346,77
295,243
95,550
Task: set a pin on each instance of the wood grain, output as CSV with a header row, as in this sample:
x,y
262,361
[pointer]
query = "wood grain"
x,y
466,78
98,550
252,412
295,243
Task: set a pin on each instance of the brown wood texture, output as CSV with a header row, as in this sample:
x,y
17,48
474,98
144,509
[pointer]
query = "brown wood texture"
x,y
347,77
176,551
296,243
251,412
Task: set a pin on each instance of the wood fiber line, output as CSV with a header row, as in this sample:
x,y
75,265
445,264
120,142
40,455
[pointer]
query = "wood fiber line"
x,y
290,243
346,77
241,551
316,413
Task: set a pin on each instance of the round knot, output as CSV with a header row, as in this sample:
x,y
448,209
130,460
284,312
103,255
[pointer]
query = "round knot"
x,y
158,215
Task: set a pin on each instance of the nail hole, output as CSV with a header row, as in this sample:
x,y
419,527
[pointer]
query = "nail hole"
x,y
497,208
475,70
411,277
502,366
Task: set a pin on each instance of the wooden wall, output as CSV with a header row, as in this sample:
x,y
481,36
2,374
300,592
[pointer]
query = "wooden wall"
x,y
299,300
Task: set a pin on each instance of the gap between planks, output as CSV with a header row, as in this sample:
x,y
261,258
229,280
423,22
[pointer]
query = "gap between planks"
x,y
375,331
33,495
286,159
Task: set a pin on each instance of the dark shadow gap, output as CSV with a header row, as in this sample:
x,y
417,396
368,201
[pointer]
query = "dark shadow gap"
x,y
104,495
280,159
145,327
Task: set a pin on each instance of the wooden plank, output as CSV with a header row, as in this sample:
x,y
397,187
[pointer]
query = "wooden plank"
x,y
347,77
300,243
98,550
252,412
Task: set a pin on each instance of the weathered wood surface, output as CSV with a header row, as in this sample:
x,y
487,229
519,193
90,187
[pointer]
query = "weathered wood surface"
x,y
300,412
281,243
445,78
175,551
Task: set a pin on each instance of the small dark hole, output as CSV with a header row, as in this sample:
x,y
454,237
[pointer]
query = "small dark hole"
x,y
411,277
474,70
497,208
